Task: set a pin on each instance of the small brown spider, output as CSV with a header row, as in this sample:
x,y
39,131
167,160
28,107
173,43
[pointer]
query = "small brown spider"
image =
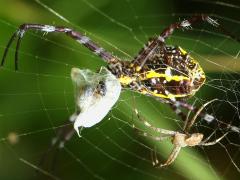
x,y
178,139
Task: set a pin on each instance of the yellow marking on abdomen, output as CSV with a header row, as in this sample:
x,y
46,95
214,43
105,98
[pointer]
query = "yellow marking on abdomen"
x,y
169,96
182,51
153,74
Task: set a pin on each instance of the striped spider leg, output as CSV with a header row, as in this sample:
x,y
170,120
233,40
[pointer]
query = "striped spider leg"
x,y
79,37
49,158
178,139
142,57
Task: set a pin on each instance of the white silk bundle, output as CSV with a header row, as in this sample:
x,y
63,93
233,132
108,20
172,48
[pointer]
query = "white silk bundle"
x,y
95,95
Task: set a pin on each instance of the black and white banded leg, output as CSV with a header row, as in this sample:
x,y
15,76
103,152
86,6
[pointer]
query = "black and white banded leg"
x,y
63,135
185,24
82,39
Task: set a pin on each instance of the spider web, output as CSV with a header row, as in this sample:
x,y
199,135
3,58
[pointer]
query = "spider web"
x,y
37,100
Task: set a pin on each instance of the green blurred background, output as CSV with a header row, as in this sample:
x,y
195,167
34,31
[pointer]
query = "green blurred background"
x,y
38,99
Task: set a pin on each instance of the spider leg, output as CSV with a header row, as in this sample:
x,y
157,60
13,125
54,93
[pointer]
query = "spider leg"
x,y
155,138
178,111
142,57
63,135
173,155
177,105
186,24
205,143
188,123
167,134
154,157
82,39
7,47
156,129
45,158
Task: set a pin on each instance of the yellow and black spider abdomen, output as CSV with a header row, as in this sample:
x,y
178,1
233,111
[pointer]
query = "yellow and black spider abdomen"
x,y
168,73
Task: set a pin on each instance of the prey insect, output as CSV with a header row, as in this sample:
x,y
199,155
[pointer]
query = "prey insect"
x,y
165,72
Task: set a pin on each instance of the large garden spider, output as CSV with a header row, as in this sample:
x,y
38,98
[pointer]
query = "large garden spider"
x,y
167,73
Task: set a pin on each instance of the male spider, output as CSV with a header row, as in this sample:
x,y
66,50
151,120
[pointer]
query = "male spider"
x,y
167,73
179,139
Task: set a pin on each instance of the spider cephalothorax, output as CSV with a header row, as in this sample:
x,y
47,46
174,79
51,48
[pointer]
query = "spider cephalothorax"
x,y
184,140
